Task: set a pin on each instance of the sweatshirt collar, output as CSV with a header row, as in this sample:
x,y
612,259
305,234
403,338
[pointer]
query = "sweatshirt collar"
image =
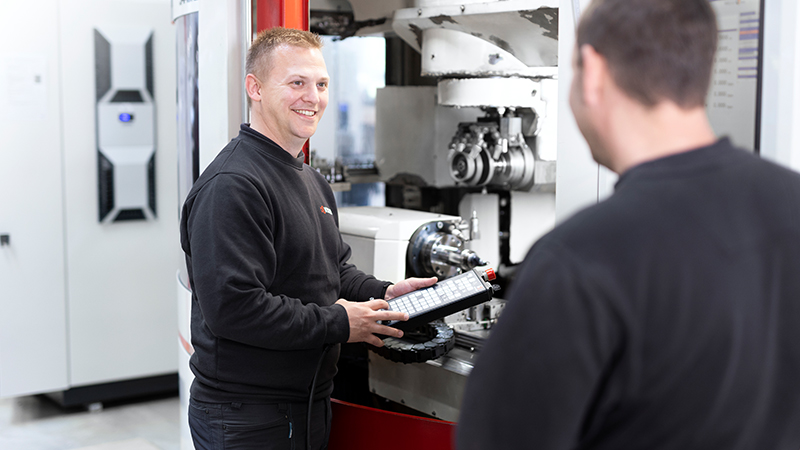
x,y
716,155
268,146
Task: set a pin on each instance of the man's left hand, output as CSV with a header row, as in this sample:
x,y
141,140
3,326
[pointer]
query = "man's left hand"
x,y
408,285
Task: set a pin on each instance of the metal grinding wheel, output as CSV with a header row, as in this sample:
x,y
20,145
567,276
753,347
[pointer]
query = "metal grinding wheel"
x,y
425,343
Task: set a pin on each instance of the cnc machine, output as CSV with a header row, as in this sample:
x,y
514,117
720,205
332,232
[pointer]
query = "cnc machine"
x,y
487,129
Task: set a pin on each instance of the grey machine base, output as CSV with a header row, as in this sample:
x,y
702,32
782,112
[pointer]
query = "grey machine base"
x,y
434,387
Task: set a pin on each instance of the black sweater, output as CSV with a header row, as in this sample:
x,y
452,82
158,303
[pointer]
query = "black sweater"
x,y
266,263
666,317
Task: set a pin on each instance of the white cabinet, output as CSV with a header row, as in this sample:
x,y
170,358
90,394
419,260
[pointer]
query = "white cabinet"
x,y
33,345
82,303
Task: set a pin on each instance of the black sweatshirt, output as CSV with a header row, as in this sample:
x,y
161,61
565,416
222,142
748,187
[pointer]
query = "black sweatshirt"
x,y
266,263
666,317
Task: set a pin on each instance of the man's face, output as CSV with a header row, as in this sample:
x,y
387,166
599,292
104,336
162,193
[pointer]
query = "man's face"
x,y
294,94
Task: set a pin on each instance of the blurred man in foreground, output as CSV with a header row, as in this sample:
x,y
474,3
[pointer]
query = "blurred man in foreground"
x,y
665,317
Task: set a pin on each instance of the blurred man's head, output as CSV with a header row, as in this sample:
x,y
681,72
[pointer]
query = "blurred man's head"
x,y
287,85
654,52
656,49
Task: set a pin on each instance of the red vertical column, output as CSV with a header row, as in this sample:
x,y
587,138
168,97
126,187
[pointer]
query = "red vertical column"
x,y
283,13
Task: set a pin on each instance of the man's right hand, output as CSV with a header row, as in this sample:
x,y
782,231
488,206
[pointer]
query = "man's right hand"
x,y
364,317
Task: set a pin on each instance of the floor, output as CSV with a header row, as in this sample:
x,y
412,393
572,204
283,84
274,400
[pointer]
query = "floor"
x,y
37,423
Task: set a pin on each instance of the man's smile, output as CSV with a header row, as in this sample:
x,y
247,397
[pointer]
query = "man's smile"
x,y
305,112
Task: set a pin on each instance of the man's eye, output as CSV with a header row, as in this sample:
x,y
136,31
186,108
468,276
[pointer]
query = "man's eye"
x,y
297,83
322,85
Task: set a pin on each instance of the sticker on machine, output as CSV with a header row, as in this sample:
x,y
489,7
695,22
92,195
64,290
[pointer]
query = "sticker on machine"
x,y
23,86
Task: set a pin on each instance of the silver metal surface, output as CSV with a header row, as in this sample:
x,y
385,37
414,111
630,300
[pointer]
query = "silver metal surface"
x,y
544,174
478,319
437,249
492,153
435,387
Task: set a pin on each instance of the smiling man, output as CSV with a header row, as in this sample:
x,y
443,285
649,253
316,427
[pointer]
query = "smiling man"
x,y
272,293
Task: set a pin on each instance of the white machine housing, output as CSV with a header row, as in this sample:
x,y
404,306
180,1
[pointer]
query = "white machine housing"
x,y
379,237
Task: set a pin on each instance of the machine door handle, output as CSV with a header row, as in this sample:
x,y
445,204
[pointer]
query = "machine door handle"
x,y
5,239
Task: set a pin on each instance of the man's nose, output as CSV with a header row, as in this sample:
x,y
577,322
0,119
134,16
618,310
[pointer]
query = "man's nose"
x,y
310,94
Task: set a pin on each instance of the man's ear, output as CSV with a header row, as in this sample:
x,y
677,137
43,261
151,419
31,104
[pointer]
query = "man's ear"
x,y
253,87
595,75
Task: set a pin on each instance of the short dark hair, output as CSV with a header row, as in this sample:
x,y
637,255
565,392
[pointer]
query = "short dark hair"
x,y
656,49
258,56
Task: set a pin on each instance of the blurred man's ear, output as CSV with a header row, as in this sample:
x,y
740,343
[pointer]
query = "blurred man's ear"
x,y
595,75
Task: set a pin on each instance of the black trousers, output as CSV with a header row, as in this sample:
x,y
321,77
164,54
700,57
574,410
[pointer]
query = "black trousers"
x,y
244,426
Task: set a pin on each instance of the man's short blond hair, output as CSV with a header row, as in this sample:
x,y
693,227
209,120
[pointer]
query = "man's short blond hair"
x,y
258,57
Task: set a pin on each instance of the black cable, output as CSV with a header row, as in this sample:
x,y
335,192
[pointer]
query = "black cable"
x,y
311,396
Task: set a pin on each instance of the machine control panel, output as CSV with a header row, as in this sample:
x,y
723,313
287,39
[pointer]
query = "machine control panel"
x,y
443,298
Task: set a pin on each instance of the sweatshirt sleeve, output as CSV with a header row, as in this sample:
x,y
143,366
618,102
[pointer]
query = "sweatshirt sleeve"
x,y
230,244
542,370
356,285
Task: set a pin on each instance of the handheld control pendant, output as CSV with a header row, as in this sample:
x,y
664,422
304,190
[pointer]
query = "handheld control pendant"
x,y
443,298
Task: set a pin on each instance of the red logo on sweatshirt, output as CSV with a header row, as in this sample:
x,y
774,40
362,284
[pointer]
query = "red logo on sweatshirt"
x,y
325,210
